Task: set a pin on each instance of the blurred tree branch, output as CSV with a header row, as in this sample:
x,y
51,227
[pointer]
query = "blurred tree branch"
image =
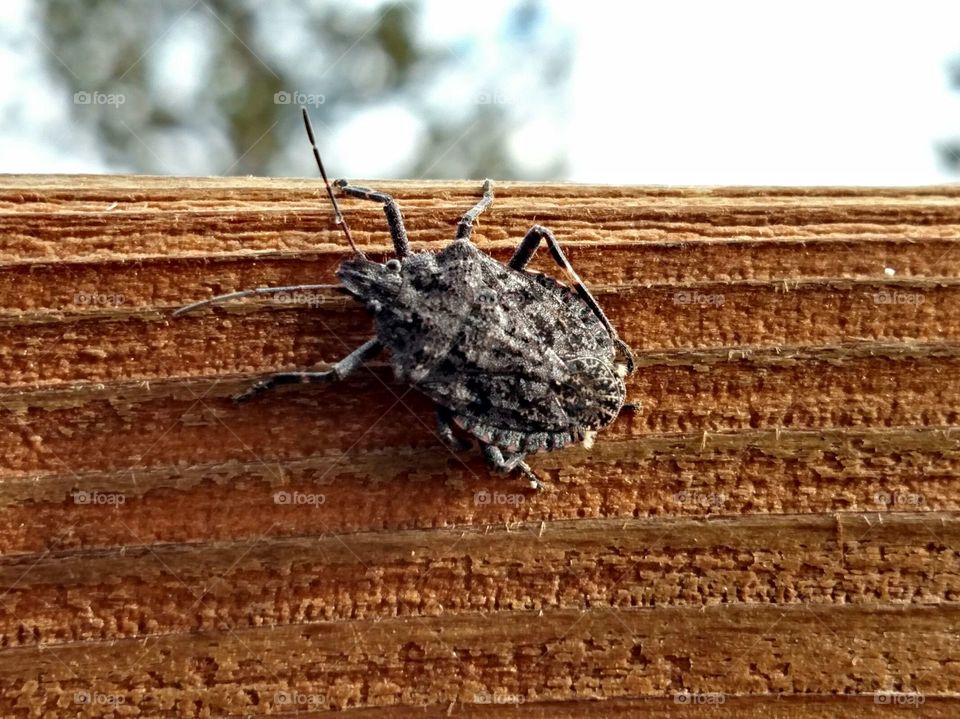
x,y
226,115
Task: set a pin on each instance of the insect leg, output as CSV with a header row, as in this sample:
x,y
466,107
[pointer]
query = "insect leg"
x,y
528,246
401,245
249,293
341,369
445,430
465,228
504,465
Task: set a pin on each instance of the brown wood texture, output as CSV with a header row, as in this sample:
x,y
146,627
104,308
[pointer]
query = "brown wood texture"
x,y
774,533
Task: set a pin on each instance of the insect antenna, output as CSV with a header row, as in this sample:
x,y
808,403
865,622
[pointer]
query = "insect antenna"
x,y
333,199
257,291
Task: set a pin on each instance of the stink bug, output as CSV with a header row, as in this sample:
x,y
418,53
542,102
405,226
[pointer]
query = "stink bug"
x,y
512,357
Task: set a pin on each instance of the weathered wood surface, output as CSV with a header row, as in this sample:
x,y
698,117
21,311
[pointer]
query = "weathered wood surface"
x,y
773,533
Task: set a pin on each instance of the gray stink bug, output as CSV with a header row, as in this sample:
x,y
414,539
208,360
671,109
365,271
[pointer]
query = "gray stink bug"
x,y
512,357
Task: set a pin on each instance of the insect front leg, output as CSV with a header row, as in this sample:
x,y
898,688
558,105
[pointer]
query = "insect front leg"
x,y
505,464
525,251
341,369
465,227
401,245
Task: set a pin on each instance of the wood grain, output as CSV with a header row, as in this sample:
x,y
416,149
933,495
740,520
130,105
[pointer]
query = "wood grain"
x,y
773,533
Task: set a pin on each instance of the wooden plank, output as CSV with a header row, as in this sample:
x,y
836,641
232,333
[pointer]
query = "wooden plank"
x,y
773,533
522,656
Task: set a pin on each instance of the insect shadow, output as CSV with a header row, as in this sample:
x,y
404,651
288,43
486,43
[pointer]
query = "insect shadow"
x,y
511,357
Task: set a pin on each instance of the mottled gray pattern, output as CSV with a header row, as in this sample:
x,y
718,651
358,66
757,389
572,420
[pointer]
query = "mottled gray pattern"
x,y
520,361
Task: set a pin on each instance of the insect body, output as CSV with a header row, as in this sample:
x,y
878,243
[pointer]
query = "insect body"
x,y
514,358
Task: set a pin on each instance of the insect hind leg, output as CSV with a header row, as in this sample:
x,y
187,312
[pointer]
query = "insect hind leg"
x,y
401,245
506,464
341,369
445,431
465,227
524,253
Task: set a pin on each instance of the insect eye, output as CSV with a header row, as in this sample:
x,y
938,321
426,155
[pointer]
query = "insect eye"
x,y
392,265
487,296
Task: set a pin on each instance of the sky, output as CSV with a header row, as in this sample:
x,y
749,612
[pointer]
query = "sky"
x,y
765,93
661,93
